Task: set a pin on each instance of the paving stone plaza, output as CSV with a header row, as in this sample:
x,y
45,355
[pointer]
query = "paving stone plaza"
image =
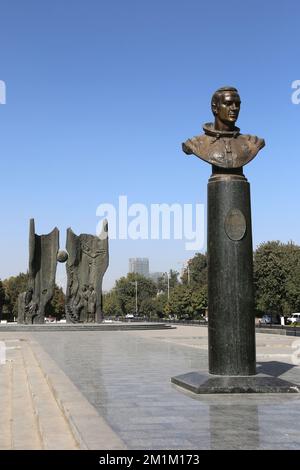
x,y
112,390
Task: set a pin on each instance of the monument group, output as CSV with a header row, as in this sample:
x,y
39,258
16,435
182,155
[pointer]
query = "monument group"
x,y
231,321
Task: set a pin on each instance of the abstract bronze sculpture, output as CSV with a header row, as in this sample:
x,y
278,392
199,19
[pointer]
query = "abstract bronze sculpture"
x,y
86,265
87,261
43,250
231,321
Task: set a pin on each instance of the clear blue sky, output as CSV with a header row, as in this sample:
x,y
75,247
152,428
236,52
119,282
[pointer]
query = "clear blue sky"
x,y
100,95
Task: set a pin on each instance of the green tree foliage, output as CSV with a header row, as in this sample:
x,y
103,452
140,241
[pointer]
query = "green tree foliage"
x,y
2,298
179,303
277,277
160,303
187,302
123,295
195,273
13,286
199,300
56,307
148,308
111,306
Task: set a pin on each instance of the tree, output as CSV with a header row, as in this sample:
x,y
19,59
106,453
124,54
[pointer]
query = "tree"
x,y
277,277
187,302
13,286
196,271
292,260
2,298
199,300
148,308
111,305
125,291
56,308
160,305
179,303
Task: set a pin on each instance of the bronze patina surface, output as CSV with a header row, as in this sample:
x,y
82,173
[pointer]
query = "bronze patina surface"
x,y
43,249
222,144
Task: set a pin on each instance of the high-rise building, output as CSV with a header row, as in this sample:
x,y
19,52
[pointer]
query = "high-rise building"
x,y
139,266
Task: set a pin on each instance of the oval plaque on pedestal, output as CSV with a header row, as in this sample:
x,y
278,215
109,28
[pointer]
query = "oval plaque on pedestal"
x,y
235,225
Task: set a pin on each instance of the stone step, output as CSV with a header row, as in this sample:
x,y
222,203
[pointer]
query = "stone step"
x,y
5,408
53,427
25,433
91,430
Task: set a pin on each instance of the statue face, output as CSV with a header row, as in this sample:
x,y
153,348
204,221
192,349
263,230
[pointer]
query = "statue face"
x,y
228,108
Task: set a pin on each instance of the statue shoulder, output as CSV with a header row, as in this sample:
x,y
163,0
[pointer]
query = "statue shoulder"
x,y
251,145
196,145
254,142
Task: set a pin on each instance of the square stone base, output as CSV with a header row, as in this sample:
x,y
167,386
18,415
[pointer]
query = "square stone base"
x,y
203,382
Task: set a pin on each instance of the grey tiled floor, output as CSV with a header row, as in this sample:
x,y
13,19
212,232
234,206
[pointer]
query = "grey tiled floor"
x,y
126,376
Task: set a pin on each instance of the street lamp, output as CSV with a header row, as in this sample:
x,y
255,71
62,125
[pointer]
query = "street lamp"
x,y
186,266
168,281
188,271
136,296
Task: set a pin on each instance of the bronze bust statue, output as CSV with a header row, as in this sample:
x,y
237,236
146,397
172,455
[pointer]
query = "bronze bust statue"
x,y
222,145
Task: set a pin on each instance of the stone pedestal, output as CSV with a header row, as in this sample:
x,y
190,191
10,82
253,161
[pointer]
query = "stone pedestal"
x,y
231,319
204,383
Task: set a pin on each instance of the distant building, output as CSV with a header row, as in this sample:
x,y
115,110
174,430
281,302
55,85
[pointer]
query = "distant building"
x,y
139,266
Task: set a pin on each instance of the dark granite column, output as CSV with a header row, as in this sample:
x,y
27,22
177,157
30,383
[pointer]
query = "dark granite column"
x,y
231,317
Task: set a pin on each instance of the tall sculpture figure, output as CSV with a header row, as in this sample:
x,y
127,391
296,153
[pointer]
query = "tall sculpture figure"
x,y
231,321
43,251
230,279
86,265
